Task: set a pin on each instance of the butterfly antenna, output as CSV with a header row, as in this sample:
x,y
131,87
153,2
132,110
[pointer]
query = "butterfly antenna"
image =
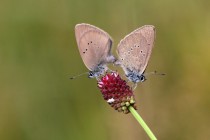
x,y
77,75
155,73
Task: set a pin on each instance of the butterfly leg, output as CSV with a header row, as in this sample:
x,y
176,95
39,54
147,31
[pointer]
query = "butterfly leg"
x,y
98,79
109,70
134,86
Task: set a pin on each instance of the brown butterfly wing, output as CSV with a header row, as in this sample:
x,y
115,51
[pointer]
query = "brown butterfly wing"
x,y
94,45
135,49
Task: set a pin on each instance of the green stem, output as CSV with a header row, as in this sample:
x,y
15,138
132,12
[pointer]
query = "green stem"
x,y
142,123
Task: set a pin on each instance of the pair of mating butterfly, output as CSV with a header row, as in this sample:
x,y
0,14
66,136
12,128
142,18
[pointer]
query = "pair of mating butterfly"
x,y
134,50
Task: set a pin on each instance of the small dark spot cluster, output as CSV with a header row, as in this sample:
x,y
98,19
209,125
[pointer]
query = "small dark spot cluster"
x,y
90,42
85,51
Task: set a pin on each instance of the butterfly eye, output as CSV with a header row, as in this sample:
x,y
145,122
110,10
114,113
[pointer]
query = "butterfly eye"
x,y
90,74
142,78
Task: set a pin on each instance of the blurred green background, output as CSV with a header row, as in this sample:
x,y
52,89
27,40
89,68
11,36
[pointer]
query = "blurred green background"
x,y
38,53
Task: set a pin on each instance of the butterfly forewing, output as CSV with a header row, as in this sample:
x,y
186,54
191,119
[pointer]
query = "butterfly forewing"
x,y
94,45
135,49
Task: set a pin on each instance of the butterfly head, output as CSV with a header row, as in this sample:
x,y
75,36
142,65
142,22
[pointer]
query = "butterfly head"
x,y
98,71
135,76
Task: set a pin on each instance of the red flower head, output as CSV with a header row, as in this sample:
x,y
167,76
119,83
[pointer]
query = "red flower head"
x,y
116,92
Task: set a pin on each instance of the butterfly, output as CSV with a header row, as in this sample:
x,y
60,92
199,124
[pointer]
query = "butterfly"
x,y
95,48
134,52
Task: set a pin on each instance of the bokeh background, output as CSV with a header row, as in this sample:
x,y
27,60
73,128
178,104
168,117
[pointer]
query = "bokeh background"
x,y
38,53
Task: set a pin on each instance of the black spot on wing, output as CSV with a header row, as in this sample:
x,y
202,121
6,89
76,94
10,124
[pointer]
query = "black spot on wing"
x,y
85,51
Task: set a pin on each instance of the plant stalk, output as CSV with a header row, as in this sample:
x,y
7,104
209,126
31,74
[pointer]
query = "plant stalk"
x,y
142,123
